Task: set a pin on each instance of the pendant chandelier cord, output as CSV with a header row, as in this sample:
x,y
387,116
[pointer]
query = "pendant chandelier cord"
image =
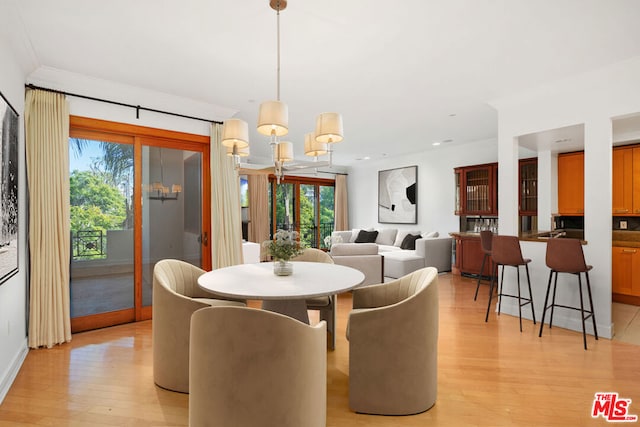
x,y
278,41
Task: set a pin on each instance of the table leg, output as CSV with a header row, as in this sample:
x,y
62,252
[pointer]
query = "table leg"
x,y
296,308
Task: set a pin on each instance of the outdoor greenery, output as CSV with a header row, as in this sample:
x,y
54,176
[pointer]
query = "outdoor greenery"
x,y
95,204
285,213
100,196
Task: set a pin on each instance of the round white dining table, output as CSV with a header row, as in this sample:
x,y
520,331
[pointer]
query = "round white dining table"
x,y
282,294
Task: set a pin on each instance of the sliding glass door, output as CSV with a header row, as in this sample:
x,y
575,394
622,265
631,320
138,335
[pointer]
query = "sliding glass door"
x,y
171,210
102,227
137,196
305,205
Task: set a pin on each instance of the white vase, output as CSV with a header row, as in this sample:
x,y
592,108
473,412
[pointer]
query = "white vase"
x,y
282,268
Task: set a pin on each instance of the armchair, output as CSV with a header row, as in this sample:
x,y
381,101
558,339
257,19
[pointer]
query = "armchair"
x,y
393,345
256,368
176,295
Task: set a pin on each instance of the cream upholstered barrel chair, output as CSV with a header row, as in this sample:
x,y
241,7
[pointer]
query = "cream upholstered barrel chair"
x,y
393,345
176,295
253,367
326,305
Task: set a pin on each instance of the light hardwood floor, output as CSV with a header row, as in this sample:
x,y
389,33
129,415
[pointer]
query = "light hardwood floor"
x,y
489,374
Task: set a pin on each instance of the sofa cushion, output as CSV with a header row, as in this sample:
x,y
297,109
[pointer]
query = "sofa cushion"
x,y
388,248
366,236
400,263
409,241
342,249
386,236
401,235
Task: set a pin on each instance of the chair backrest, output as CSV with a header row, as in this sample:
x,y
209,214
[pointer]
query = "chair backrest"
x,y
486,239
565,256
314,255
179,277
393,345
397,290
505,250
254,367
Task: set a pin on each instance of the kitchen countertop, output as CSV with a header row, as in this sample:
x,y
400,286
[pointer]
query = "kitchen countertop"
x,y
533,236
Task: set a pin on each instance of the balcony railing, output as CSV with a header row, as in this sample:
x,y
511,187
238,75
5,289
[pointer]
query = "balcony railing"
x,y
88,244
309,233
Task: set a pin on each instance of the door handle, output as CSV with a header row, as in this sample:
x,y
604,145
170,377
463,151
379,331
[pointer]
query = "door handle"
x,y
204,239
629,251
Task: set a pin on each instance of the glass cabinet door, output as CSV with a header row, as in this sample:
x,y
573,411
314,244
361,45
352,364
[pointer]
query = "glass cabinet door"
x,y
528,187
480,190
458,192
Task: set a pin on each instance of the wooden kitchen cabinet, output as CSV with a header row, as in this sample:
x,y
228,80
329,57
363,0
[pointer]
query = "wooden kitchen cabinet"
x,y
476,190
626,181
571,183
625,267
469,255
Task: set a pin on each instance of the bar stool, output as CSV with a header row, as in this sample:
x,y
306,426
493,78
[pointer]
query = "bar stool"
x,y
486,236
566,256
505,251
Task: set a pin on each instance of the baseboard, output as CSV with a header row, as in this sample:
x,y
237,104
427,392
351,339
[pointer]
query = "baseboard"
x,y
567,319
12,371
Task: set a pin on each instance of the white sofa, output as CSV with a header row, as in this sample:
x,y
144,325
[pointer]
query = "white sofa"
x,y
430,250
361,256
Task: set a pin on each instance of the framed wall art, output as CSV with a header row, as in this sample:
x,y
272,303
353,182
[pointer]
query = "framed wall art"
x,y
397,193
8,190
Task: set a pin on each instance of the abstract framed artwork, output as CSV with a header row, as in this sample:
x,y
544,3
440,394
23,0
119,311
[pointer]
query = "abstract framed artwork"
x,y
397,193
8,190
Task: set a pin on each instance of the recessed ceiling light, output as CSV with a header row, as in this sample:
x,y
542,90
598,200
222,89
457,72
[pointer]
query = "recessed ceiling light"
x,y
436,143
452,115
447,140
363,158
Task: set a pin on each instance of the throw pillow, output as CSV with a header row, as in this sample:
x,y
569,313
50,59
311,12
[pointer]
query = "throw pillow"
x,y
409,241
366,236
355,232
431,234
401,235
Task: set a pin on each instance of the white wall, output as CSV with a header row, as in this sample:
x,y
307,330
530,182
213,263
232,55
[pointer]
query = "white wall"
x,y
13,324
592,99
435,185
83,85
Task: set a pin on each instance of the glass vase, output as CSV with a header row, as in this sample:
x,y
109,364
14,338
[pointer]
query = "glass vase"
x,y
282,268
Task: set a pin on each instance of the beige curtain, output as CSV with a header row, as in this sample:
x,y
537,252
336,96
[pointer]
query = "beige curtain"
x,y
259,210
341,213
47,142
226,222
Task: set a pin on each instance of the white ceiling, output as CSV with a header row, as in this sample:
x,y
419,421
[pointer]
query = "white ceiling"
x,y
403,74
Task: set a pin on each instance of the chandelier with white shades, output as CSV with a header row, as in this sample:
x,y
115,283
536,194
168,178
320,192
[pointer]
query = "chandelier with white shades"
x,y
273,121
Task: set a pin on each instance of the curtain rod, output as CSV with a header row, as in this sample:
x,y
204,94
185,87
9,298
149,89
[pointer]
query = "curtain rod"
x,y
332,173
122,104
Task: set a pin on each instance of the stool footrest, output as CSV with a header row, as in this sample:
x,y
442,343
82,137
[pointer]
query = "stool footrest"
x,y
571,308
528,300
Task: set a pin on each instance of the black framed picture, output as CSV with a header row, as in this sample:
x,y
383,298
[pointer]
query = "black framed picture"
x,y
397,195
8,190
